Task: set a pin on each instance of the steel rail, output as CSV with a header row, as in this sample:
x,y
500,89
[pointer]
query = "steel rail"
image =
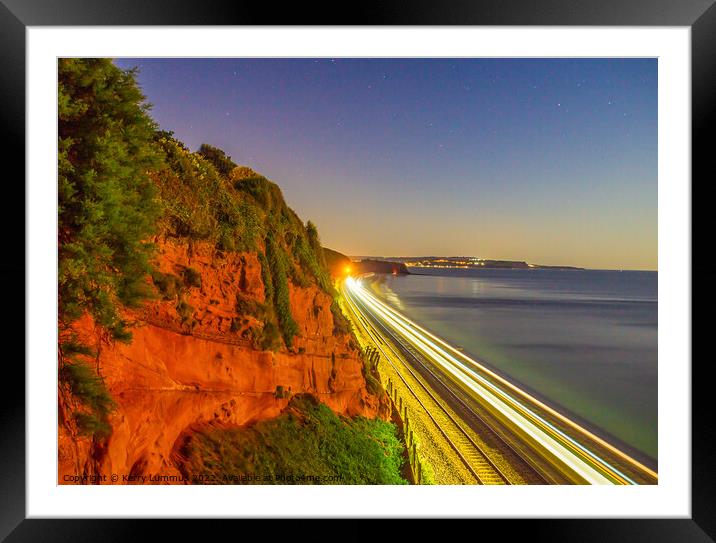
x,y
528,462
589,458
477,448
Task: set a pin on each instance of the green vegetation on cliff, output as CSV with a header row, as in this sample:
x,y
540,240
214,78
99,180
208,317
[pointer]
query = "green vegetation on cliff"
x,y
106,200
307,444
278,262
107,209
241,211
124,182
197,203
89,389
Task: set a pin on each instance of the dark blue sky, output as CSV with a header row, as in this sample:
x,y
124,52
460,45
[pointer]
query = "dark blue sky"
x,y
549,160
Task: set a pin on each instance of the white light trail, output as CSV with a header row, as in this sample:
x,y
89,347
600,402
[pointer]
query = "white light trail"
x,y
558,444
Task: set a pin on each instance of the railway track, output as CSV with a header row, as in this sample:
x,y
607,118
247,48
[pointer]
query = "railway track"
x,y
486,429
558,449
473,456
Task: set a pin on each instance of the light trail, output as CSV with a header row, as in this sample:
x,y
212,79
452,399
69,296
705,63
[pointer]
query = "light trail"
x,y
555,442
476,449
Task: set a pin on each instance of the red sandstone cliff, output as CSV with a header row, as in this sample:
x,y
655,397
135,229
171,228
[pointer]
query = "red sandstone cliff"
x,y
175,375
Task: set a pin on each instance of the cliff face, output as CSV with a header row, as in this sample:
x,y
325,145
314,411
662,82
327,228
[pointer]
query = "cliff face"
x,y
184,369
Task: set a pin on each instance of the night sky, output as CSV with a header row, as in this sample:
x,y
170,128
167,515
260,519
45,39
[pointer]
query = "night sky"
x,y
553,161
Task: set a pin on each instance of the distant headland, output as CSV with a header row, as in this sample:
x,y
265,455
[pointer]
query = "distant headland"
x,y
460,262
339,264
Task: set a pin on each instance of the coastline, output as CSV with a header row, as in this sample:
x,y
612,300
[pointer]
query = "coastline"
x,y
557,383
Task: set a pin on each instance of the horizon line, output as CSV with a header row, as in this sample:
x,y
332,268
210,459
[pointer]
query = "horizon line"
x,y
585,268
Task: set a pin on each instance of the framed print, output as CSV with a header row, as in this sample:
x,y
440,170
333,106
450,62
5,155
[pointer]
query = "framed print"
x,y
386,267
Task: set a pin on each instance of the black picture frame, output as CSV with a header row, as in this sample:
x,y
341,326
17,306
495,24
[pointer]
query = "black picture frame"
x,y
699,15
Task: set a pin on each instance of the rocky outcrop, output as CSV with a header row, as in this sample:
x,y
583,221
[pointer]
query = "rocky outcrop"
x,y
203,367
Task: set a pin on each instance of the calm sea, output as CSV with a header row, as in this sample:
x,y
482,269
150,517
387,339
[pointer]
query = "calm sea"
x,y
583,340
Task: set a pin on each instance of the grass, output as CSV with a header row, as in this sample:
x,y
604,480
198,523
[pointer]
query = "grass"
x,y
308,442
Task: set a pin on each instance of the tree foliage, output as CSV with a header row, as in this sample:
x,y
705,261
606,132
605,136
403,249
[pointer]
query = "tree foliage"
x,y
106,199
85,385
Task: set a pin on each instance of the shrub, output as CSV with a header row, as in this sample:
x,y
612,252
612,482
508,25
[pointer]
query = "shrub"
x,y
200,203
242,172
270,337
313,238
221,161
168,284
184,310
341,325
281,393
373,386
249,306
372,378
192,278
267,194
299,277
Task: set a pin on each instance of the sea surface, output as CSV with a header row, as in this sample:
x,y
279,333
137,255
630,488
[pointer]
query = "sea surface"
x,y
584,340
